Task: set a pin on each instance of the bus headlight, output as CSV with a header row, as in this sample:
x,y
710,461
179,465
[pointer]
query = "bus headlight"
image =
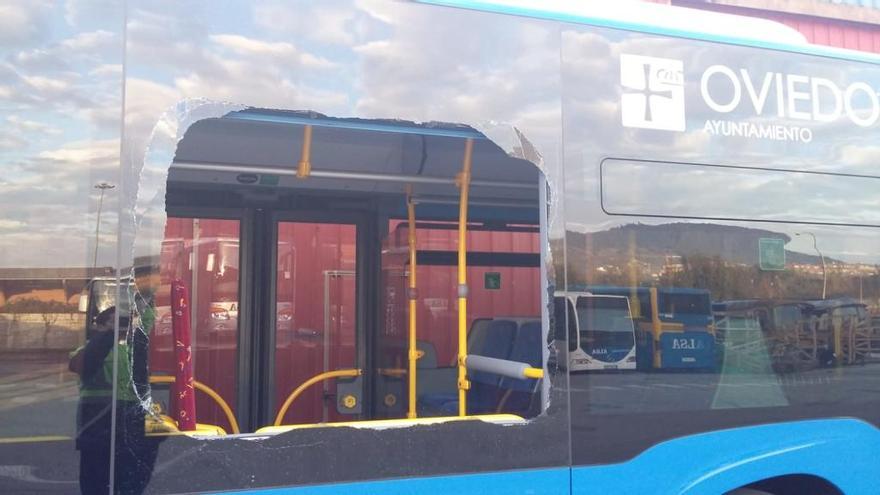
x,y
219,313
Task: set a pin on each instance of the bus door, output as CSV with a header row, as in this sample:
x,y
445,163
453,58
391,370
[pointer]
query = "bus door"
x,y
203,253
276,316
315,323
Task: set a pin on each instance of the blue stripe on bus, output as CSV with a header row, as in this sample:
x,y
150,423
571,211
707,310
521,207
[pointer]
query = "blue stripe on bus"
x,y
808,49
842,451
553,481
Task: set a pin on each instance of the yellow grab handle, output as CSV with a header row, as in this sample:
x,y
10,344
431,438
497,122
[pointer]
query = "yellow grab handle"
x,y
308,383
412,355
304,168
464,182
210,393
533,373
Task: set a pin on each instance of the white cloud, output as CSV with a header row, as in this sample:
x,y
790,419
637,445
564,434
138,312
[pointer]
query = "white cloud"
x,y
279,52
48,203
46,84
247,46
107,70
22,125
90,41
420,70
10,142
10,224
101,152
24,22
85,13
335,23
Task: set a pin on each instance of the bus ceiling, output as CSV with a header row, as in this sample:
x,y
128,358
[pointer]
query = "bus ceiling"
x,y
303,151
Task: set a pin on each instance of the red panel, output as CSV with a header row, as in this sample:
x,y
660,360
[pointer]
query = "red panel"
x,y
315,314
836,37
205,257
519,295
850,38
866,41
820,34
821,31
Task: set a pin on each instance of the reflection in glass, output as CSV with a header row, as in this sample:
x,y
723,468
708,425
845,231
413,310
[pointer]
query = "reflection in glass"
x,y
700,232
315,324
203,254
737,193
503,315
60,108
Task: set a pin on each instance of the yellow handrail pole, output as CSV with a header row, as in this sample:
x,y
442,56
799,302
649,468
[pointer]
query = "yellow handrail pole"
x,y
464,181
304,168
412,294
308,383
656,326
230,416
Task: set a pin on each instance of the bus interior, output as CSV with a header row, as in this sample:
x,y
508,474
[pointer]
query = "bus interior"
x,y
334,265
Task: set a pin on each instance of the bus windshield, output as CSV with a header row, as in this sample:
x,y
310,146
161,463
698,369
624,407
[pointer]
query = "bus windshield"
x,y
691,304
605,321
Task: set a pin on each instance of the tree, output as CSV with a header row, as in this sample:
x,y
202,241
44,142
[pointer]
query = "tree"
x,y
49,312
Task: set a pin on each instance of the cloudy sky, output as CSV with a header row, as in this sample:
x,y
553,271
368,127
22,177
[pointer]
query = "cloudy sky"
x,y
62,79
60,109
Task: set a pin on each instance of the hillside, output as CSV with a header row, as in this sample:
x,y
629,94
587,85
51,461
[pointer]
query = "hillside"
x,y
652,243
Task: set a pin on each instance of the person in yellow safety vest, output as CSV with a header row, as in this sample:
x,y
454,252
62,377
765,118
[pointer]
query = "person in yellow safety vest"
x,y
93,362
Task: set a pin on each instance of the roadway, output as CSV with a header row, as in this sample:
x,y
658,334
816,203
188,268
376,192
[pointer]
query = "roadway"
x,y
38,398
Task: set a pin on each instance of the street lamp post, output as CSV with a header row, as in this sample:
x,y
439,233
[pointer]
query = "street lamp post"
x,y
821,257
103,187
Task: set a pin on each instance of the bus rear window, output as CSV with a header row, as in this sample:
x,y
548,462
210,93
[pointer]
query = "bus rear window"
x,y
693,304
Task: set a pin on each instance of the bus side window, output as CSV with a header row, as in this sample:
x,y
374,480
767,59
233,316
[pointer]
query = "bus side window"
x,y
559,317
562,307
572,327
645,307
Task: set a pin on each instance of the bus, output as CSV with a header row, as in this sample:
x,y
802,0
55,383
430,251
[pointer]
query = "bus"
x,y
675,325
372,207
601,333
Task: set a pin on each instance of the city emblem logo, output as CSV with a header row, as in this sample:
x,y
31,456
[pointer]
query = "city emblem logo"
x,y
653,92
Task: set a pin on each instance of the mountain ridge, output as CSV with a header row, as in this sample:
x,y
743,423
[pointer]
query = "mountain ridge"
x,y
733,244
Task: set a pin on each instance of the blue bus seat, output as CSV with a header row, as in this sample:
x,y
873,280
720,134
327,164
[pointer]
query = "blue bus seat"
x,y
497,342
518,394
429,356
476,338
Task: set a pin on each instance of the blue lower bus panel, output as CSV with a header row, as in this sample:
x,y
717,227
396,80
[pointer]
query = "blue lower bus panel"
x,y
839,451
842,452
554,481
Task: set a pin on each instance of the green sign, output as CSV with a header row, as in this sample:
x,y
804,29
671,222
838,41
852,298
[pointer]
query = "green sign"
x,y
492,280
771,254
269,180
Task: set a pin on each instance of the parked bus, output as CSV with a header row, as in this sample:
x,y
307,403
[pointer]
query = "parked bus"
x,y
675,325
531,149
801,334
600,335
